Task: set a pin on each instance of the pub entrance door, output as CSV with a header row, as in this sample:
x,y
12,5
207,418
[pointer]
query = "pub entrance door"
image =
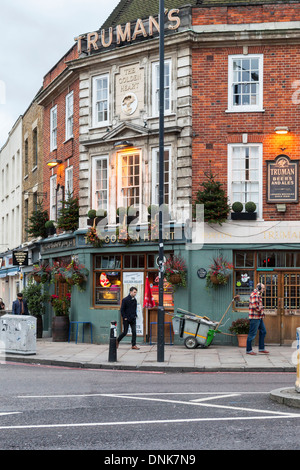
x,y
282,305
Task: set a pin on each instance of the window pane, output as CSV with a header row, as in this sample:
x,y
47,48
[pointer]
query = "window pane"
x,y
107,288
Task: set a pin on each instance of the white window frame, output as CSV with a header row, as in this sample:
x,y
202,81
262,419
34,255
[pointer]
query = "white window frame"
x,y
95,161
259,181
96,122
245,108
53,128
53,201
155,88
120,194
69,115
155,176
68,182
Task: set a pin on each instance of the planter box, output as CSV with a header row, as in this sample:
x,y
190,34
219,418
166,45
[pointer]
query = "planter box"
x,y
243,215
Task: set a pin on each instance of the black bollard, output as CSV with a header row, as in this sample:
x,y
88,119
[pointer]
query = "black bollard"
x,y
112,355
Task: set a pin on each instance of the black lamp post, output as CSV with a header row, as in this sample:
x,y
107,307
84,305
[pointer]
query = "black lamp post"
x,y
161,311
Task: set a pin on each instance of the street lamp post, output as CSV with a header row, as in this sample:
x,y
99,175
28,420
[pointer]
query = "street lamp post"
x,y
161,312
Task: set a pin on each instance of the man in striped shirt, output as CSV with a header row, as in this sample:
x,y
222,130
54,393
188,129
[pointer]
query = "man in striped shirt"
x,y
256,315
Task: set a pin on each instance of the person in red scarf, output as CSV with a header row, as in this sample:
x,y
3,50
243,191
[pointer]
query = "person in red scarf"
x,y
256,315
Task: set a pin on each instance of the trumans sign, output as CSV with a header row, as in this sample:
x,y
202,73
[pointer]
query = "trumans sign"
x,y
283,185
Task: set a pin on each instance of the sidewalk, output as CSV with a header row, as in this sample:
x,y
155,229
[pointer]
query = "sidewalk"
x,y
215,358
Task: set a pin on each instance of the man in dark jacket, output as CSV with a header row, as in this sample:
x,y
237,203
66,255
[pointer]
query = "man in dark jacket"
x,y
129,314
19,306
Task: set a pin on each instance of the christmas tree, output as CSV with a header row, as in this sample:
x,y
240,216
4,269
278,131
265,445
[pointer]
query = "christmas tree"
x,y
69,215
214,199
36,222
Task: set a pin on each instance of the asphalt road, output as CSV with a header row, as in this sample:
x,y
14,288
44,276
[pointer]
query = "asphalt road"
x,y
56,408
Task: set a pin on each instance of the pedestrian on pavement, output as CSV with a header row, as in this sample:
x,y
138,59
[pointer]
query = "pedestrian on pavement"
x,y
2,305
19,306
129,314
256,315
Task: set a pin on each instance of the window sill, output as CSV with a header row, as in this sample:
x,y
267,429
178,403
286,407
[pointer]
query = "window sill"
x,y
34,168
244,110
68,139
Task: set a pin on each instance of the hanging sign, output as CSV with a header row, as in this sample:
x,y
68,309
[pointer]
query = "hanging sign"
x,y
20,258
283,185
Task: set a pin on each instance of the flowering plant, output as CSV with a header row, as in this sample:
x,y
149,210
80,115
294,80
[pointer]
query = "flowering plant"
x,y
41,273
57,272
240,326
61,306
219,272
92,238
123,235
75,274
175,271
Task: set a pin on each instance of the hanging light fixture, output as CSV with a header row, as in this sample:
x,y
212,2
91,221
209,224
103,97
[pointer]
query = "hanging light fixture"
x,y
282,130
53,163
122,144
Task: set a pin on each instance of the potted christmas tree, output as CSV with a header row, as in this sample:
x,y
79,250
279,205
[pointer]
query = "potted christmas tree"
x,y
69,215
214,199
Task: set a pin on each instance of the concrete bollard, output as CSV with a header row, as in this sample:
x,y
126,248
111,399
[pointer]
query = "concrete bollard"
x,y
112,355
297,384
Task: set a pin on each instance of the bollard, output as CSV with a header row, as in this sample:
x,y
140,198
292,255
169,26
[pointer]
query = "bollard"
x,y
112,355
297,384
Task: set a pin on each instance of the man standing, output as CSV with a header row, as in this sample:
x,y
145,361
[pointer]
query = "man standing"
x,y
129,314
19,306
256,315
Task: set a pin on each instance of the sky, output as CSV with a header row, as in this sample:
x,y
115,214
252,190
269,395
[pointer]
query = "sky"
x,y
35,34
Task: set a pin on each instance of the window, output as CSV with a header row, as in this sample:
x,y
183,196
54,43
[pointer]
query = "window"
x,y
100,183
101,100
35,148
245,174
245,91
129,179
53,180
107,275
26,157
69,115
69,182
155,176
155,88
53,128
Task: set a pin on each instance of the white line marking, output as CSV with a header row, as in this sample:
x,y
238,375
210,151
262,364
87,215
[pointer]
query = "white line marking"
x,y
197,400
235,408
137,394
162,421
11,413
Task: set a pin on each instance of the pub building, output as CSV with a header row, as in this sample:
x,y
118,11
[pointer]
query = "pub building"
x,y
229,109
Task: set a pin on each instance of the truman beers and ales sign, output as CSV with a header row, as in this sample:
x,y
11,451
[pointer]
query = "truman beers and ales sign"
x,y
283,183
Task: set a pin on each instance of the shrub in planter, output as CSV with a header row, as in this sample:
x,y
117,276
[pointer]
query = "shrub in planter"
x,y
36,298
250,206
237,206
50,227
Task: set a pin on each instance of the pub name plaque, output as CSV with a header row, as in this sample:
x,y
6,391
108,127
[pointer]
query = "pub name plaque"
x,y
283,183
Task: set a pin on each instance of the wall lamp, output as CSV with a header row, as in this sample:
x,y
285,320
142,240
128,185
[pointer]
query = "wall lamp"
x,y
122,144
282,130
53,163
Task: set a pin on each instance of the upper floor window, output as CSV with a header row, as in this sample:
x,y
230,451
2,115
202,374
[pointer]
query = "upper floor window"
x,y
155,88
129,183
53,181
35,148
245,174
53,128
69,115
69,182
245,87
100,183
101,100
155,176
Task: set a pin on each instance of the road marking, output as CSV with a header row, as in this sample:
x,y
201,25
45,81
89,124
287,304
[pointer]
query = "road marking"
x,y
11,413
82,395
210,405
197,400
162,421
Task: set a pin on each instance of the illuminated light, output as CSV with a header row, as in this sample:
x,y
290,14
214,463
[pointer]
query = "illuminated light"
x,y
123,144
282,130
53,163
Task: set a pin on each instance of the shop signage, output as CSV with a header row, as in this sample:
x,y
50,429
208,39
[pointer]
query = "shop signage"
x,y
58,245
125,34
283,185
20,258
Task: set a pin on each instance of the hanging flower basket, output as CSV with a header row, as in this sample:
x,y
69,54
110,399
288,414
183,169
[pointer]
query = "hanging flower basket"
x,y
218,273
175,271
175,278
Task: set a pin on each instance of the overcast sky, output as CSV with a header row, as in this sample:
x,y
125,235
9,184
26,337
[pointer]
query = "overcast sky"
x,y
35,34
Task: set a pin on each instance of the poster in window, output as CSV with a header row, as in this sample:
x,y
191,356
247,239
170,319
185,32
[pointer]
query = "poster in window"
x,y
136,280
